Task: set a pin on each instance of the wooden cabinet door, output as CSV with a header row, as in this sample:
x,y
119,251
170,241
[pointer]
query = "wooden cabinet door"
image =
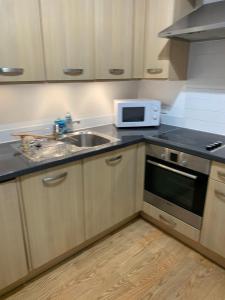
x,y
21,55
213,233
165,59
124,184
159,16
109,189
139,38
114,38
54,212
98,194
13,265
68,27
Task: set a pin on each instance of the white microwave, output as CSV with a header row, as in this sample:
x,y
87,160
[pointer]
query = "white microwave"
x,y
137,113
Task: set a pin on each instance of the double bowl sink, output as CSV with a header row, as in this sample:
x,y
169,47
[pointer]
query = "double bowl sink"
x,y
45,149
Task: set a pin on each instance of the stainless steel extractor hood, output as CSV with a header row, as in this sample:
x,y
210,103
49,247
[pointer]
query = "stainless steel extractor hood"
x,y
205,22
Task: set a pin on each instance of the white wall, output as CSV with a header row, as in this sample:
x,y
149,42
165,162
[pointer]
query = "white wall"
x,y
47,101
198,103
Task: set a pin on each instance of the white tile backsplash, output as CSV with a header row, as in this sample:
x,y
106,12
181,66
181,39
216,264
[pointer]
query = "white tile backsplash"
x,y
200,103
200,110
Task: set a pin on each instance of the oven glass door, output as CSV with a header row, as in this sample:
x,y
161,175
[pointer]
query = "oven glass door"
x,y
176,184
133,114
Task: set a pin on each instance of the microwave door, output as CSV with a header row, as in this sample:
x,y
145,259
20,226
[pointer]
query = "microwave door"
x,y
133,114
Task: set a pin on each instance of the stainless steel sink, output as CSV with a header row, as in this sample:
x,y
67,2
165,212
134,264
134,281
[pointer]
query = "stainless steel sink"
x,y
44,149
88,139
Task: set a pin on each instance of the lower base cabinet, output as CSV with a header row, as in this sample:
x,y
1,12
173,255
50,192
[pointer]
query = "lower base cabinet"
x,y
13,264
110,189
54,210
213,230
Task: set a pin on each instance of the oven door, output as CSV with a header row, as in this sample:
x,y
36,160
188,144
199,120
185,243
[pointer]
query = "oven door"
x,y
176,190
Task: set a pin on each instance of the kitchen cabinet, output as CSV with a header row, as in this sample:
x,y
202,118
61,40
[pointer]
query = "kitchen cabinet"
x,y
13,264
138,38
54,212
68,29
114,23
170,222
213,234
109,189
21,55
165,59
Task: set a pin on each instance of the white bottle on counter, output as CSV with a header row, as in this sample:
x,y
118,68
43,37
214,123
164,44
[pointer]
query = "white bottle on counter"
x,y
69,122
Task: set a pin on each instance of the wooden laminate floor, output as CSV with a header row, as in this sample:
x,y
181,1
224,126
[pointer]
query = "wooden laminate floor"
x,y
138,262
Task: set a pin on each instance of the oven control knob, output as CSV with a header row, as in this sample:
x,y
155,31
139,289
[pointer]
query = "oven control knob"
x,y
155,117
183,163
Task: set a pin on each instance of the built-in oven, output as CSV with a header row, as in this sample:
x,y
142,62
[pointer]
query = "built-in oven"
x,y
176,182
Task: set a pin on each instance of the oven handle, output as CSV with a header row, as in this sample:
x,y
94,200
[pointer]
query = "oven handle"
x,y
172,170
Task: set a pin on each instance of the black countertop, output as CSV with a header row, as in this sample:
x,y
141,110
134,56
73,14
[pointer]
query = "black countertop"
x,y
13,164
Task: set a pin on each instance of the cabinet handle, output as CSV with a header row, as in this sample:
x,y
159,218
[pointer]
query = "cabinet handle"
x,y
169,222
11,71
155,71
116,71
73,72
114,160
221,174
220,195
60,177
172,169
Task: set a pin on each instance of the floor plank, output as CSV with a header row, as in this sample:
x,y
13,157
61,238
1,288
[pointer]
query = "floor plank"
x,y
140,262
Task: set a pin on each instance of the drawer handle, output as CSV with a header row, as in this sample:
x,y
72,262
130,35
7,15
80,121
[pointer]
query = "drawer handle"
x,y
114,160
169,222
221,174
49,180
116,71
220,195
155,71
11,71
73,72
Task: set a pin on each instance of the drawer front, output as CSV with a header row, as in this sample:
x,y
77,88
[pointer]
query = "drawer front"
x,y
218,172
213,234
172,222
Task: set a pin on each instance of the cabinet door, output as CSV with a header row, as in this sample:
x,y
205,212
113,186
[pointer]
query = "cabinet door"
x,y
139,38
164,58
21,56
109,189
53,204
68,27
13,265
114,38
97,194
213,233
159,16
124,183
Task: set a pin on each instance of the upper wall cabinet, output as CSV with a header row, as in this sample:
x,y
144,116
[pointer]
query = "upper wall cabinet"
x,y
138,38
114,22
165,59
68,27
21,57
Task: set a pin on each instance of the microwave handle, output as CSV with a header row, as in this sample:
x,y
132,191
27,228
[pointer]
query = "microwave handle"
x,y
172,170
